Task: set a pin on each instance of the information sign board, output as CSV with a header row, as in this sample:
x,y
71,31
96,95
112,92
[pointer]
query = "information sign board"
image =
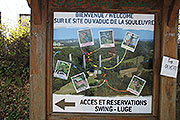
x,y
104,62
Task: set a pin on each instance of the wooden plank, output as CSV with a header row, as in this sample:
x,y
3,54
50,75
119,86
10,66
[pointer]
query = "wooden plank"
x,y
168,85
156,64
37,8
38,65
100,117
135,5
172,13
49,63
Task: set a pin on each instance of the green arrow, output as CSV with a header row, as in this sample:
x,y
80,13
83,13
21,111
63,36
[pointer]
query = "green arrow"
x,y
62,104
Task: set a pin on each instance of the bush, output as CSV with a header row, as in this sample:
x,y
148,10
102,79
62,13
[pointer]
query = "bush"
x,y
14,53
14,72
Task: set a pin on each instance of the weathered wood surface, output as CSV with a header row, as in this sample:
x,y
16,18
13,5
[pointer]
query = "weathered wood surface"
x,y
105,4
173,12
49,63
169,48
123,5
156,64
37,9
38,62
100,117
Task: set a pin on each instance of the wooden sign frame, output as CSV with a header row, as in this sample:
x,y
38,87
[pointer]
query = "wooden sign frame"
x,y
164,90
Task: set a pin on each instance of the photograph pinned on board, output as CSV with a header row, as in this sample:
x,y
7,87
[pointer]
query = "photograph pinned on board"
x,y
106,38
136,85
130,41
85,37
80,82
62,69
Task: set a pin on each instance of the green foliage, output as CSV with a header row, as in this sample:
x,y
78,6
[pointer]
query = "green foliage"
x,y
14,101
147,75
14,53
138,63
14,72
58,83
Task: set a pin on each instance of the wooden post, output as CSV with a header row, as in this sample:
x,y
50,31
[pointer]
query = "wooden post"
x,y
169,48
37,9
38,62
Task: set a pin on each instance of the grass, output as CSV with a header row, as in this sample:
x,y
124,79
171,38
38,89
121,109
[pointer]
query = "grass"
x,y
67,89
128,72
133,60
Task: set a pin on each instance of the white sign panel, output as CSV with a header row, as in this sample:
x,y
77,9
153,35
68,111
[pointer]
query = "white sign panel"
x,y
112,20
86,104
110,60
169,67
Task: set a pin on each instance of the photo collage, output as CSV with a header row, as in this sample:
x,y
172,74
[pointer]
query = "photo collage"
x,y
106,40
